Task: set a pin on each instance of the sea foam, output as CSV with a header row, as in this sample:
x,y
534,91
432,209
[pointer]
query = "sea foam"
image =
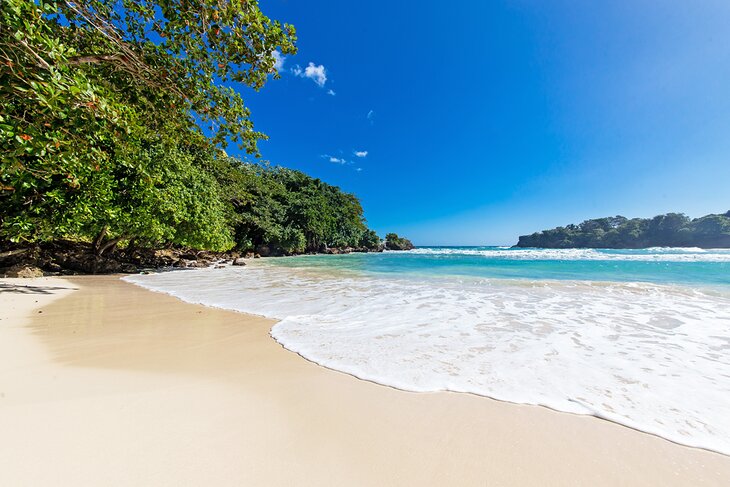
x,y
653,254
652,357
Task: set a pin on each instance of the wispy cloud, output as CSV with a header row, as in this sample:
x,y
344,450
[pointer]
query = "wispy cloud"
x,y
333,159
371,117
331,92
279,60
358,169
316,73
361,153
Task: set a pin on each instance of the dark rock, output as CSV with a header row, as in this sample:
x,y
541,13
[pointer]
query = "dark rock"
x,y
263,251
22,270
239,261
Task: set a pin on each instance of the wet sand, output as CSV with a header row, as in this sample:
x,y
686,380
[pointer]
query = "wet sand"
x,y
105,383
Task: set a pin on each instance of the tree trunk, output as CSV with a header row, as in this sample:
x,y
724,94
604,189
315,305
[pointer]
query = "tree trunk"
x,y
99,239
109,245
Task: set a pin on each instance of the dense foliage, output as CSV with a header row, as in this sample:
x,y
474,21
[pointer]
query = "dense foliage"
x,y
113,116
394,242
287,210
670,230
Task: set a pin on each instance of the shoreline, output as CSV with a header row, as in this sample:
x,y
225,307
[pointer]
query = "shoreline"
x,y
183,394
364,378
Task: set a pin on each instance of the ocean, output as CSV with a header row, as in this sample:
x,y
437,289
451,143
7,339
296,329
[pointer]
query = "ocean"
x,y
638,337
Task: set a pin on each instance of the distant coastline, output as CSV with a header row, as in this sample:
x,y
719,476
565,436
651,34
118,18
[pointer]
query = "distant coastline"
x,y
618,232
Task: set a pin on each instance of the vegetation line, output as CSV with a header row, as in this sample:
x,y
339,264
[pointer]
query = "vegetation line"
x,y
618,232
114,117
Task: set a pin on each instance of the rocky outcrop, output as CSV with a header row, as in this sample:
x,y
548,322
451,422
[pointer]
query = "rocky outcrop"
x,y
618,232
66,257
394,242
23,270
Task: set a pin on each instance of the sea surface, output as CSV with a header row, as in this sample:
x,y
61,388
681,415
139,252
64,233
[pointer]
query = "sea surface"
x,y
639,337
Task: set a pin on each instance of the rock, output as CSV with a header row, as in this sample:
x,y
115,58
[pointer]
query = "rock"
x,y
164,253
249,255
185,263
256,256
22,270
394,242
239,261
222,266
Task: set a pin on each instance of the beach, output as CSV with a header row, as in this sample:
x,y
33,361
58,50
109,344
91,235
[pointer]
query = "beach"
x,y
105,383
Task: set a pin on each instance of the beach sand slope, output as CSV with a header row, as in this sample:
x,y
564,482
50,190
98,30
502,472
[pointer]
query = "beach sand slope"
x,y
105,383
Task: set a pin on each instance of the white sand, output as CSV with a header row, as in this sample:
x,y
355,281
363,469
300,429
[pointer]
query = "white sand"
x,y
114,385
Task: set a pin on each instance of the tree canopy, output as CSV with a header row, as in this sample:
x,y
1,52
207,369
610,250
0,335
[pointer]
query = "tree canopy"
x,y
113,119
669,230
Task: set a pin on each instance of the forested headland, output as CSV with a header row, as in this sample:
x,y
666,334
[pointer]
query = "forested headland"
x,y
115,118
618,232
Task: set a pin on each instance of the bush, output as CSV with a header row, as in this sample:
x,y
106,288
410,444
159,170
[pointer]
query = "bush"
x,y
292,241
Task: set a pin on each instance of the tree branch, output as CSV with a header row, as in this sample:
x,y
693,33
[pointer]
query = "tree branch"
x,y
97,58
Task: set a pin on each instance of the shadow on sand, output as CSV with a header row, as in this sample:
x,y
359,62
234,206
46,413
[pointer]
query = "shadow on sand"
x,y
26,289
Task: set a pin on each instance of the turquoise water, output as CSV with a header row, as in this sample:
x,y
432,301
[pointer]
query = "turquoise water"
x,y
639,337
661,266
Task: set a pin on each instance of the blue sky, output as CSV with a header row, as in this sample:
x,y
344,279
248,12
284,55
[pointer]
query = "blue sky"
x,y
484,120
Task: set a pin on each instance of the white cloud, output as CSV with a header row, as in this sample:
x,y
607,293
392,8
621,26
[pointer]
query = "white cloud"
x,y
358,169
279,59
361,153
336,160
318,74
371,117
331,92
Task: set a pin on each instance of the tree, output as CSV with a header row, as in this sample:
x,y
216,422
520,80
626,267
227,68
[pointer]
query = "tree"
x,y
88,89
370,240
394,242
113,119
669,230
173,56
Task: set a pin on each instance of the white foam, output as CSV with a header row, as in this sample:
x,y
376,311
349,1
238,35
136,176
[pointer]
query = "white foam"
x,y
652,357
661,254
